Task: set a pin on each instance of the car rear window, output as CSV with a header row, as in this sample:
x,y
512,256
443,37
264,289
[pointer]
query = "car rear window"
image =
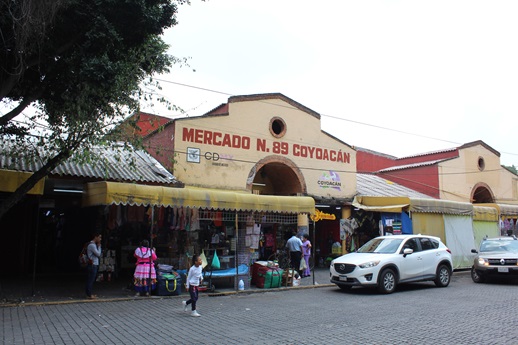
x,y
429,243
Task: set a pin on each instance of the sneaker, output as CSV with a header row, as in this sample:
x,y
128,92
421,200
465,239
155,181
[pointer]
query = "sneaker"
x,y
195,313
184,305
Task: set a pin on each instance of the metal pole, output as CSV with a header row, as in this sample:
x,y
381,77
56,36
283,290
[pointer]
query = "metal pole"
x,y
151,246
36,247
236,282
313,246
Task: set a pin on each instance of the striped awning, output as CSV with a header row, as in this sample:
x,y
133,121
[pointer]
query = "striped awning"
x,y
107,193
421,205
505,210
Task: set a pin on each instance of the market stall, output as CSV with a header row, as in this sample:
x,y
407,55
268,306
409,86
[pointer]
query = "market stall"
x,y
184,221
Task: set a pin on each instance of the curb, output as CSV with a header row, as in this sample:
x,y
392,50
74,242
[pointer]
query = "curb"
x,y
121,299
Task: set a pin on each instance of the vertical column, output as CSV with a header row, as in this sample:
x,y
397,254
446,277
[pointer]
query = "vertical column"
x,y
346,213
302,224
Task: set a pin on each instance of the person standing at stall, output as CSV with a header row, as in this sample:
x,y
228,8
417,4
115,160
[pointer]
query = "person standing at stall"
x,y
306,251
144,278
294,245
194,279
93,251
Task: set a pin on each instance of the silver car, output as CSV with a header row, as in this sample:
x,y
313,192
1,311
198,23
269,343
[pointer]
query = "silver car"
x,y
496,257
386,261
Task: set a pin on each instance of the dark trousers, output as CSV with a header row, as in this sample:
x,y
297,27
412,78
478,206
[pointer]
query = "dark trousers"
x,y
193,292
91,274
295,260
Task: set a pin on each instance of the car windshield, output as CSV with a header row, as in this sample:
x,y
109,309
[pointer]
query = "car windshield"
x,y
381,245
499,246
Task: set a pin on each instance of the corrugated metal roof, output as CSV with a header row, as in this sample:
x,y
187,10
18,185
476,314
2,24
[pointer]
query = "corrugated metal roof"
x,y
372,185
413,165
428,153
114,165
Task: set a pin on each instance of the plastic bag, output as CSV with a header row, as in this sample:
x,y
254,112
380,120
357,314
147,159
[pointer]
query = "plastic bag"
x,y
215,262
302,264
203,259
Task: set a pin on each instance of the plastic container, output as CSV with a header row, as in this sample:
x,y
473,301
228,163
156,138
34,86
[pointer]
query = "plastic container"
x,y
241,285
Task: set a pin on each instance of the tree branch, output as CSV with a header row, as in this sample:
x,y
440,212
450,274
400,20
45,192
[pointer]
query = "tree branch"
x,y
25,187
16,111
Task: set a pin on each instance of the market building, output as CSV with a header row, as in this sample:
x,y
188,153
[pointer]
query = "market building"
x,y
473,195
49,226
265,145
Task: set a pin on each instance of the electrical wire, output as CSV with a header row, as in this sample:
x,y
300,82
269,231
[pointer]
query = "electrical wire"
x,y
326,115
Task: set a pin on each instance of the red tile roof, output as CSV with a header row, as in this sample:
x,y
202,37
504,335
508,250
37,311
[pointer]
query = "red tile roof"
x,y
149,123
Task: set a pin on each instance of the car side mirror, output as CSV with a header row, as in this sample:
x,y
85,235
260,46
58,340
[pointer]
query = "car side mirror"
x,y
407,251
474,251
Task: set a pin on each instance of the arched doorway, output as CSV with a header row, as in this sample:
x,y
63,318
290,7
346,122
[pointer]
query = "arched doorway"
x,y
481,193
279,176
276,176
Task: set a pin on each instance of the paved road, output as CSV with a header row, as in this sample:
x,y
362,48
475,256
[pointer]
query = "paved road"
x,y
463,313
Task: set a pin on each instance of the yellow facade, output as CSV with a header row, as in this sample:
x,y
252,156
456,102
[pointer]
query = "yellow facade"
x,y
476,166
266,145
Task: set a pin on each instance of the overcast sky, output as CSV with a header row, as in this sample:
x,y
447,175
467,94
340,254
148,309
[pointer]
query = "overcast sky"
x,y
398,77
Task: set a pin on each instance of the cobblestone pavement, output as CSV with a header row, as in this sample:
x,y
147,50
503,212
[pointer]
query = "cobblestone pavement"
x,y
70,288
463,313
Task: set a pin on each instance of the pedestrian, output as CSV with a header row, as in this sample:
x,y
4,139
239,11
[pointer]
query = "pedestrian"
x,y
294,245
306,251
194,279
144,278
93,251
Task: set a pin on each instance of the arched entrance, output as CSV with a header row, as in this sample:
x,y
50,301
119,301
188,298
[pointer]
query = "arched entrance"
x,y
481,193
276,175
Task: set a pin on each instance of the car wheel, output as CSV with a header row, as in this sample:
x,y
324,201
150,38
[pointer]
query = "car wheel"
x,y
443,276
387,281
477,278
345,287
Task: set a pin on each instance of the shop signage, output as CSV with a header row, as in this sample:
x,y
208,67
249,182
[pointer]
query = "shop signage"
x,y
319,215
242,142
330,180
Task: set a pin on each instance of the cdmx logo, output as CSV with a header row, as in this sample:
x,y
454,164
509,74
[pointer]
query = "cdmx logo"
x,y
330,180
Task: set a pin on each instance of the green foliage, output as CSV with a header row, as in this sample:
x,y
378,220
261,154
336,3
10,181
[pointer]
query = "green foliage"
x,y
81,64
511,168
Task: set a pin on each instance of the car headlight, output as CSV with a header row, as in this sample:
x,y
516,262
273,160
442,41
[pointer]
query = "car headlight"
x,y
482,261
369,264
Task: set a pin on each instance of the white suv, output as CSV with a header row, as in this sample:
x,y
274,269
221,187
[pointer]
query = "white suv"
x,y
386,261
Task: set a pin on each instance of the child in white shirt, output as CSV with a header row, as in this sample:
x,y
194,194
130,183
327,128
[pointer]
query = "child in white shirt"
x,y
194,279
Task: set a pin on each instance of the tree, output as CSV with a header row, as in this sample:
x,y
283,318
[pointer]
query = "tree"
x,y
511,168
81,64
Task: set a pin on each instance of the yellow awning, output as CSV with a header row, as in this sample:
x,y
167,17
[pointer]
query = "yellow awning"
x,y
381,204
483,213
397,204
10,180
504,209
107,193
440,206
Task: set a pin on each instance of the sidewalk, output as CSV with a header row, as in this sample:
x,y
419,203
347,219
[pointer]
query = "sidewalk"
x,y
70,289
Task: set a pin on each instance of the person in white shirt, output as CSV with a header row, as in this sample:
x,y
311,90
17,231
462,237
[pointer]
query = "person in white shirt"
x,y
194,279
294,245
